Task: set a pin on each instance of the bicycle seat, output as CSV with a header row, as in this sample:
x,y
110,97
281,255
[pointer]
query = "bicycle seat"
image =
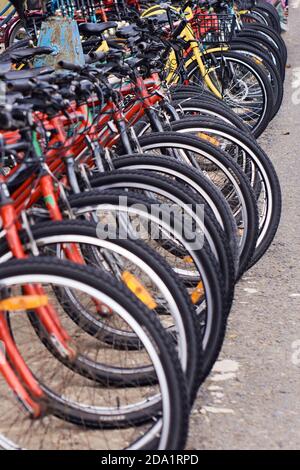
x,y
96,29
28,53
17,45
26,74
127,32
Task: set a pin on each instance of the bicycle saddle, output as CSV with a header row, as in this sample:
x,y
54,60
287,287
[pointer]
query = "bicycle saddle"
x,y
28,53
26,74
127,32
96,29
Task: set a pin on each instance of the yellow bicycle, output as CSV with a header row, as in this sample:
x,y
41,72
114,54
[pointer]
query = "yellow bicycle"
x,y
235,78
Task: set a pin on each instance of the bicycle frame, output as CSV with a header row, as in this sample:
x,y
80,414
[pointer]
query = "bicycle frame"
x,y
189,37
15,372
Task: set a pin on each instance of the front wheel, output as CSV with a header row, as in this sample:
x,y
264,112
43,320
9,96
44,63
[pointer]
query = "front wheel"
x,y
19,31
95,413
244,86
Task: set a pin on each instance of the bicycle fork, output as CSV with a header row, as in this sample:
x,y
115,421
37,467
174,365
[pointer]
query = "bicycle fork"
x,y
16,367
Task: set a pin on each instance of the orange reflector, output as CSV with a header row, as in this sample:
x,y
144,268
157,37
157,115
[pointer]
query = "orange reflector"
x,y
23,302
188,259
209,139
138,289
197,293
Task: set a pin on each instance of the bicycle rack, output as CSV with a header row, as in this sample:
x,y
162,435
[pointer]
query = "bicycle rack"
x,y
60,31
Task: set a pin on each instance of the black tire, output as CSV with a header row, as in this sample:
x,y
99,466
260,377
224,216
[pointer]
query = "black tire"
x,y
252,51
180,195
29,32
192,89
256,18
203,259
266,175
195,181
252,36
76,229
273,37
271,12
98,281
180,141
261,116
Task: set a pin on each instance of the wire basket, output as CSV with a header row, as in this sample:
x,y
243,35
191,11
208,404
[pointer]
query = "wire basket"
x,y
212,28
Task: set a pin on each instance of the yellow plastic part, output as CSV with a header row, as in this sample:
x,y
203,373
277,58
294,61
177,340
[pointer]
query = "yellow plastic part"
x,y
209,139
197,293
104,47
23,302
138,289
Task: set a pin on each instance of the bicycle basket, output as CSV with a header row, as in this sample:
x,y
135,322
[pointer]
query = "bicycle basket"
x,y
212,28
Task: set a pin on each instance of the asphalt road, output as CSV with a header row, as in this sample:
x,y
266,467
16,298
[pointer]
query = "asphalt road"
x,y
252,398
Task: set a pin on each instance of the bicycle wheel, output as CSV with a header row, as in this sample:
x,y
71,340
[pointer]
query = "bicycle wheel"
x,y
244,86
269,68
254,37
271,12
82,403
195,182
162,191
197,268
273,37
255,164
221,171
146,274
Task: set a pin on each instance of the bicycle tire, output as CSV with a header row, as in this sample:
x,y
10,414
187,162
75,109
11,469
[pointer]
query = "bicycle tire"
x,y
48,270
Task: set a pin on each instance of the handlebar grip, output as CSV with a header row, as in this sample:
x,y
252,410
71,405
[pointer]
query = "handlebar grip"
x,y
69,66
143,46
5,120
21,86
97,56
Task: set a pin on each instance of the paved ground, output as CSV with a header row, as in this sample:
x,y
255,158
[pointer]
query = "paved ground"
x,y
252,399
